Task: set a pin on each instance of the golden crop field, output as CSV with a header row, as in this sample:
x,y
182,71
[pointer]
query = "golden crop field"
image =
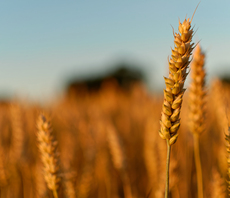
x,y
123,143
109,146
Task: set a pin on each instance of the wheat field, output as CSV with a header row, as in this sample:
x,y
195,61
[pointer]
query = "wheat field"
x,y
117,143
108,146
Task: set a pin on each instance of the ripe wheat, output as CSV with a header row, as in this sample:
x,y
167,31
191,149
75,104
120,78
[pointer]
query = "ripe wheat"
x,y
49,155
197,94
178,64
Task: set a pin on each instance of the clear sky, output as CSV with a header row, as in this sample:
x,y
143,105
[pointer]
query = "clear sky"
x,y
42,42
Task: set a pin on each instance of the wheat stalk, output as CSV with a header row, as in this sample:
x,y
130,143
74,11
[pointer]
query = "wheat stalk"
x,y
150,155
197,113
49,155
178,64
18,135
3,173
118,159
85,182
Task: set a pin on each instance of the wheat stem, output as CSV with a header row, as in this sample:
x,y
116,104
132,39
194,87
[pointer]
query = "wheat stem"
x,y
198,166
55,194
167,169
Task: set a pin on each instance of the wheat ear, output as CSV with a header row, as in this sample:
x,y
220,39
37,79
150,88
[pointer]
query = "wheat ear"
x,y
197,113
49,155
174,91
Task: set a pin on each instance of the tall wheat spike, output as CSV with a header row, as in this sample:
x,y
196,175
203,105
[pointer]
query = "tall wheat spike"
x,y
197,94
178,64
49,154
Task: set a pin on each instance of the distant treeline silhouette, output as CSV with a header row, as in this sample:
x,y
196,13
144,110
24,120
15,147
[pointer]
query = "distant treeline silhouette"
x,y
124,76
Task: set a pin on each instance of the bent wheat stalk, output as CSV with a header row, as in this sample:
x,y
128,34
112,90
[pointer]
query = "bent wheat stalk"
x,y
49,155
174,91
197,113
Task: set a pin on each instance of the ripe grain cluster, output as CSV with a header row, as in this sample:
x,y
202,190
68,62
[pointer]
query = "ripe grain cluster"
x,y
173,94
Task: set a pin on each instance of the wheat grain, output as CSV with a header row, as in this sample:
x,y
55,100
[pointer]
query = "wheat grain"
x,y
174,91
173,94
49,154
197,94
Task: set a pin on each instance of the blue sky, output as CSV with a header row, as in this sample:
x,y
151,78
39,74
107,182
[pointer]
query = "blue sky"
x,y
43,42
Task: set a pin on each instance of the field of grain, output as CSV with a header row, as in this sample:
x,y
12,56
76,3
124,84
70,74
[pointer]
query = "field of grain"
x,y
123,142
108,146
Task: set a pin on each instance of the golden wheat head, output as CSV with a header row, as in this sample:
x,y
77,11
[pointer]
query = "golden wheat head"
x,y
178,64
49,155
197,92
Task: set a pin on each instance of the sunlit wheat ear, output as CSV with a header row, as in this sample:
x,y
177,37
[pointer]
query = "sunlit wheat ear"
x,y
49,155
197,93
173,94
197,98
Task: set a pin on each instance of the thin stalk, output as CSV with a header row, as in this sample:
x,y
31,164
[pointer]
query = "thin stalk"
x,y
198,166
126,185
55,194
167,170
